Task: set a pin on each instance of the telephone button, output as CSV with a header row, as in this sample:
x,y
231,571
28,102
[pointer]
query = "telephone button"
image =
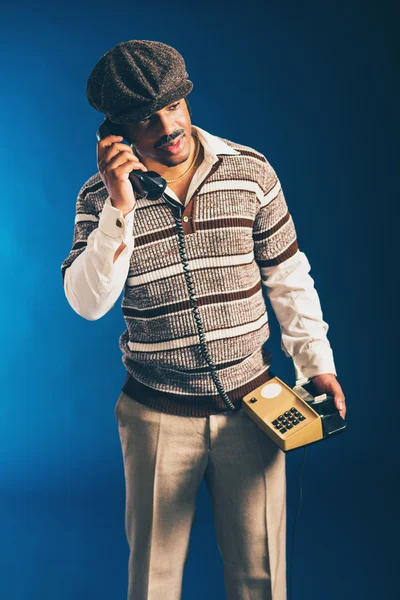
x,y
289,426
285,422
295,422
275,422
283,430
301,418
279,425
281,417
287,413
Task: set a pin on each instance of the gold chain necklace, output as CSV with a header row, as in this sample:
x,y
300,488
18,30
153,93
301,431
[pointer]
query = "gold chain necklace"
x,y
191,166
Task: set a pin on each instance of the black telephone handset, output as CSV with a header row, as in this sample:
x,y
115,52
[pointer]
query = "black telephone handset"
x,y
148,184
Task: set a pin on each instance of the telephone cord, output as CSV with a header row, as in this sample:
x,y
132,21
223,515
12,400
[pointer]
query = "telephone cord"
x,y
195,309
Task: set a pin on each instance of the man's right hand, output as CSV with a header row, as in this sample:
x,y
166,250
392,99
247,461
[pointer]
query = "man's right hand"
x,y
115,161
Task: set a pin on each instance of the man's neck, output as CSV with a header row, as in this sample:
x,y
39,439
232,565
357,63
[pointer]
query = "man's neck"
x,y
183,183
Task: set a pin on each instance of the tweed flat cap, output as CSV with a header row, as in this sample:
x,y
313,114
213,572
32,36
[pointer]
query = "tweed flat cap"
x,y
135,79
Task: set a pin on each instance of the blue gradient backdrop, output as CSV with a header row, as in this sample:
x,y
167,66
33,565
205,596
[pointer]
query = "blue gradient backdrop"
x,y
312,86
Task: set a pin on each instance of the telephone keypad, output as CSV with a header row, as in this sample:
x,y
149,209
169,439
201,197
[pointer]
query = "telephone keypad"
x,y
293,418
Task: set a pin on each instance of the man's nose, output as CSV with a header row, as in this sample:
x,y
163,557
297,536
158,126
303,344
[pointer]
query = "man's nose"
x,y
166,125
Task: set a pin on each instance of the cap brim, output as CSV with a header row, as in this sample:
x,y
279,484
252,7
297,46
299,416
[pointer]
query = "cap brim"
x,y
130,115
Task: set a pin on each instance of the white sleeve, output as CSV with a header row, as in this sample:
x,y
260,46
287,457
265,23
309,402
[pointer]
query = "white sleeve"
x,y
93,282
296,304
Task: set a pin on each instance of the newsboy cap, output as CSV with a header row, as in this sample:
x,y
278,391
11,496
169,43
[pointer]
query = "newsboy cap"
x,y
135,79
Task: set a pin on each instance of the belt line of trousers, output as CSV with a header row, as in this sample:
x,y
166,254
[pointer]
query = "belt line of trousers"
x,y
165,458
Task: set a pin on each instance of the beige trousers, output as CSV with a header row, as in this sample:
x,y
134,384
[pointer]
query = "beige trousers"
x,y
165,458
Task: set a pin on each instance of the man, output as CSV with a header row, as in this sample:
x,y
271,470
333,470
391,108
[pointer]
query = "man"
x,y
238,235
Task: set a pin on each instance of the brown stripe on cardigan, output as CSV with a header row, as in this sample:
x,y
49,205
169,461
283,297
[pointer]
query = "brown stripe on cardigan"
x,y
262,235
185,305
277,260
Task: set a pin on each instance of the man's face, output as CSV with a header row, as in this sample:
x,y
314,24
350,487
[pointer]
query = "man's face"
x,y
170,125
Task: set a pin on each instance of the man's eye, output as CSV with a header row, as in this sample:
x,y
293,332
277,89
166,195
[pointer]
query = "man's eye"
x,y
175,105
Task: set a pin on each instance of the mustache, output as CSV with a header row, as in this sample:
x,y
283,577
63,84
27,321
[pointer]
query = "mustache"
x,y
169,138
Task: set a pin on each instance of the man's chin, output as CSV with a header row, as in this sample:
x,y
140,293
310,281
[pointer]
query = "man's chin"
x,y
174,162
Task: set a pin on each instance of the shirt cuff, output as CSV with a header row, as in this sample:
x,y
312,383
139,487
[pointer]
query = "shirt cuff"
x,y
316,360
114,224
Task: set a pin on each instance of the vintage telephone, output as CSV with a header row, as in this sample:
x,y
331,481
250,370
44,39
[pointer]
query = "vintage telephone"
x,y
293,417
147,184
290,417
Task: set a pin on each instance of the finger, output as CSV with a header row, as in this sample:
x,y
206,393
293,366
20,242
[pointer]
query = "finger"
x,y
109,140
120,147
108,166
123,163
339,400
116,150
112,150
128,166
123,157
340,404
105,145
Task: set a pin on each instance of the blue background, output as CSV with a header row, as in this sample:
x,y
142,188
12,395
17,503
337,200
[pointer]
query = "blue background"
x,y
312,86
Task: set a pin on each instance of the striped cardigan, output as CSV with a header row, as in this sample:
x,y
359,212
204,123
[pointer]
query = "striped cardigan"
x,y
236,223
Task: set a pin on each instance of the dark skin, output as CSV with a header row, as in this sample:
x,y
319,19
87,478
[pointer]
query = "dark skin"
x,y
167,125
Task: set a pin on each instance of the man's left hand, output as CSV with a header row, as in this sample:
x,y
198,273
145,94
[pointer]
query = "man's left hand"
x,y
326,383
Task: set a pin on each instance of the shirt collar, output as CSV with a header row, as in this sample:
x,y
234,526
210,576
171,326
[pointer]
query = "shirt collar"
x,y
213,145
